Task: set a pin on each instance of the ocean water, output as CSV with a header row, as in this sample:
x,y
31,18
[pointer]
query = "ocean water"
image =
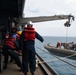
x,y
60,67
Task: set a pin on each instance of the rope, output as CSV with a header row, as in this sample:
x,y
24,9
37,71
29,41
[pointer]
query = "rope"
x,y
58,58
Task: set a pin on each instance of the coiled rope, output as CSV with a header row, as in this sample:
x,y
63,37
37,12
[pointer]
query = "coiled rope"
x,y
57,58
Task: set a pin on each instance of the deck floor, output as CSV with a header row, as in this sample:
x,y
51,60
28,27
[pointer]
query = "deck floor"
x,y
14,70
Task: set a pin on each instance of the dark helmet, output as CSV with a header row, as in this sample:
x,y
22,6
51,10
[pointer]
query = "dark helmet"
x,y
13,30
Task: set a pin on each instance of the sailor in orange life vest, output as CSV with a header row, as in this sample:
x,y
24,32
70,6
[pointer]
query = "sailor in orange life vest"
x,y
27,41
7,35
58,44
13,32
9,47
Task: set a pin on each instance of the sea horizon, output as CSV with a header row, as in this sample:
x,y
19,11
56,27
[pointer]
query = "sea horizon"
x,y
59,36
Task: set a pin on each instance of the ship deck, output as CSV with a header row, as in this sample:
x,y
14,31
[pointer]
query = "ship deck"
x,y
12,69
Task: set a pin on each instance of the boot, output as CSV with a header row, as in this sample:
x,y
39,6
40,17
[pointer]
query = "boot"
x,y
25,73
32,73
11,60
20,70
5,67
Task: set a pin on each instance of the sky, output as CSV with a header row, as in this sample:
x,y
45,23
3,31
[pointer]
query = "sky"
x,y
35,8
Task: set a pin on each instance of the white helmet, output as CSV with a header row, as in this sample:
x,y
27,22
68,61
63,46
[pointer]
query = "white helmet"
x,y
29,23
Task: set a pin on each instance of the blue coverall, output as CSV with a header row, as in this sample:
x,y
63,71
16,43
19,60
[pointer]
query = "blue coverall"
x,y
28,53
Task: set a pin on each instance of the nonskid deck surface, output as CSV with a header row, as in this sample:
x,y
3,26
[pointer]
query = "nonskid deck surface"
x,y
12,69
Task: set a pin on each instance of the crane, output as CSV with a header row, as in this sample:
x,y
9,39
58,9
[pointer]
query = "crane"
x,y
48,18
67,24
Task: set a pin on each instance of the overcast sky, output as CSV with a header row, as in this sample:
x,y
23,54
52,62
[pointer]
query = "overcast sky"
x,y
49,8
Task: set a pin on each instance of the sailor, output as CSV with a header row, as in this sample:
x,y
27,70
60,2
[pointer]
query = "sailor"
x,y
27,41
18,33
9,47
14,32
7,35
58,45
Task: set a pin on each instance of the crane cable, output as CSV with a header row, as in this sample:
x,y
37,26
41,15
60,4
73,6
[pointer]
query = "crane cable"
x,y
68,24
58,57
66,34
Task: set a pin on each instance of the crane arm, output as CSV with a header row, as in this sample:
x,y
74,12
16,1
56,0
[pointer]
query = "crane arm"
x,y
46,18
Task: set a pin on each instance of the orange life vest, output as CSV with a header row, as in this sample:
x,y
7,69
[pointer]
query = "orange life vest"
x,y
10,42
18,36
58,44
29,33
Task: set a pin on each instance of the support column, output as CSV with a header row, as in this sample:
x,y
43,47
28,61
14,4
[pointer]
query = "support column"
x,y
0,50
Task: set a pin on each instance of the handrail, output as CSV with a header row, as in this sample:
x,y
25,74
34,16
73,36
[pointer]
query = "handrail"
x,y
48,70
58,58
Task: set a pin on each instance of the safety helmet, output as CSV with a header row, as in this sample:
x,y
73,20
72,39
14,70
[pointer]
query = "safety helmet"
x,y
19,32
13,30
19,28
29,23
13,36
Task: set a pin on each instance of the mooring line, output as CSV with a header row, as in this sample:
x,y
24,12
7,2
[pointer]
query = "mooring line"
x,y
57,57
